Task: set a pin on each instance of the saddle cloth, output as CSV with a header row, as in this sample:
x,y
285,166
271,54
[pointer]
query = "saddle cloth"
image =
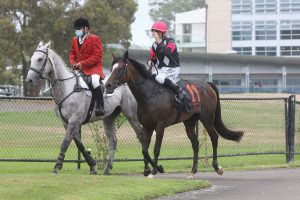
x,y
192,102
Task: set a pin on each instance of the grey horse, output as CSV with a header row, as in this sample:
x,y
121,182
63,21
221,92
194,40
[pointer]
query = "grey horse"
x,y
72,106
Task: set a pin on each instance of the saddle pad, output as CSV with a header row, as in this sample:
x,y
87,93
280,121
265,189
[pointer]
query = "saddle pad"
x,y
192,102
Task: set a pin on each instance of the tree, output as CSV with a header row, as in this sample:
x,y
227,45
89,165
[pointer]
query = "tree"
x,y
25,22
166,9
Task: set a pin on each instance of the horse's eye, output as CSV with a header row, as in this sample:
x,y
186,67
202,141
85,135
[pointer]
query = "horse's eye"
x,y
40,59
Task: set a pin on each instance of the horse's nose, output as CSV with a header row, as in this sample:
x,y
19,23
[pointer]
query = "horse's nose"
x,y
108,87
28,80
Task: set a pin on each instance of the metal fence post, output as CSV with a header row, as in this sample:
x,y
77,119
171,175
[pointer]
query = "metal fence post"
x,y
291,129
286,129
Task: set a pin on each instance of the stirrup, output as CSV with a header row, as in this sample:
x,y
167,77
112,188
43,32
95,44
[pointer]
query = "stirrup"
x,y
99,112
179,97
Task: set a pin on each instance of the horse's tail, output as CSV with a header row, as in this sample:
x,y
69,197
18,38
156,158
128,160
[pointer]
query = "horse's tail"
x,y
218,123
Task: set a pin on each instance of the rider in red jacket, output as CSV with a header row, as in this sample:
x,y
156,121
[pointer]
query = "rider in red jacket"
x,y
86,56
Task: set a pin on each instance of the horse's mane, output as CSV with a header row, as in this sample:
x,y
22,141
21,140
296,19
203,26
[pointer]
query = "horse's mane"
x,y
62,61
141,68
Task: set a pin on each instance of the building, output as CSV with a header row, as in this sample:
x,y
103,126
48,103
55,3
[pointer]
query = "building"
x,y
190,30
266,27
249,27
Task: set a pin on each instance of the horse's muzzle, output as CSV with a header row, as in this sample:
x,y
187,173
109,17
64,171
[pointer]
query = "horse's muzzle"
x,y
109,88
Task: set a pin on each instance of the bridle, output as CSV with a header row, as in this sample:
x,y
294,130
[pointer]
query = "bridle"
x,y
41,71
118,82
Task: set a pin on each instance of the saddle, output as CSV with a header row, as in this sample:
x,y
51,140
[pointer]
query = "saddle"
x,y
192,101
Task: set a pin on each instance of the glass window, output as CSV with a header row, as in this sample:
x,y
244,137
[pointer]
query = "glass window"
x,y
265,6
290,29
241,7
290,50
290,6
243,50
265,30
242,30
265,51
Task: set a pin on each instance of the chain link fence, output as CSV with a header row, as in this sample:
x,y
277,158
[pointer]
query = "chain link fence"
x,y
30,131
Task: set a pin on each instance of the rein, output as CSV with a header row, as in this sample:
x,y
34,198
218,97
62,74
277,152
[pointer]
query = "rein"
x,y
40,72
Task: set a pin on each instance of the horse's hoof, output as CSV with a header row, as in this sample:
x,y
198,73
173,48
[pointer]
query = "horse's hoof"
x,y
161,169
55,172
93,172
190,176
147,172
150,176
220,171
106,172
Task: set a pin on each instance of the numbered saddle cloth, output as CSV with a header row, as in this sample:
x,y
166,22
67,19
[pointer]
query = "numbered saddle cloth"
x,y
193,88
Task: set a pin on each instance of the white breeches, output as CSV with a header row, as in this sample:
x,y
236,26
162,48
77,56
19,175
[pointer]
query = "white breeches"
x,y
95,80
166,72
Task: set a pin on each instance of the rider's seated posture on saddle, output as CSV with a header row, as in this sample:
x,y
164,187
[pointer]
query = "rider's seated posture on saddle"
x,y
164,57
86,56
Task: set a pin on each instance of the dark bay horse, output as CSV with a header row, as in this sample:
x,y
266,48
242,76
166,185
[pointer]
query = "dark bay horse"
x,y
156,111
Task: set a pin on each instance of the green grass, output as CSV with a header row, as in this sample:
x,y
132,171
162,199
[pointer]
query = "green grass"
x,y
20,180
33,181
38,135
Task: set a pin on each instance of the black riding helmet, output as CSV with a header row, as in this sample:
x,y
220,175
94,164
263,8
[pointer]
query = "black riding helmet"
x,y
81,22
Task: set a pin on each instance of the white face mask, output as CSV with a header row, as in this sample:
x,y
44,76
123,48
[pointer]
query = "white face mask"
x,y
79,33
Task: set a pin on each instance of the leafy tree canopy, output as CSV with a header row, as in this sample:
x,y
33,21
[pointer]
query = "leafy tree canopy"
x,y
26,22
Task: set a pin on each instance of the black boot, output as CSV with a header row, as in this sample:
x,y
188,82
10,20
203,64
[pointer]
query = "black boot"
x,y
99,101
180,93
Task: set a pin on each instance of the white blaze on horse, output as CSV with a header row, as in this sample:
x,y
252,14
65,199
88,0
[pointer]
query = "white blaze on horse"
x,y
73,99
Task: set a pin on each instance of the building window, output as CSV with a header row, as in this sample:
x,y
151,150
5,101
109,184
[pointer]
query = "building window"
x,y
241,7
243,50
265,51
229,85
187,32
265,30
290,50
265,6
241,30
290,29
290,6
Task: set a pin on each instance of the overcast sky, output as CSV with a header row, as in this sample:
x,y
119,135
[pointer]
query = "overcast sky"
x,y
142,23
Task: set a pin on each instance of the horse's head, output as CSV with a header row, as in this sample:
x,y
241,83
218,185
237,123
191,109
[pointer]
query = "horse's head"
x,y
40,64
119,74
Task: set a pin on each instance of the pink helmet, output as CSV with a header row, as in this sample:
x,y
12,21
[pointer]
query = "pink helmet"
x,y
160,26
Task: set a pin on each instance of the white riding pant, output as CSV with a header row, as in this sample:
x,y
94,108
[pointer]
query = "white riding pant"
x,y
171,73
95,80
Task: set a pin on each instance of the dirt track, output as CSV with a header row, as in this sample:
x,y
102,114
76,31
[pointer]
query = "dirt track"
x,y
273,184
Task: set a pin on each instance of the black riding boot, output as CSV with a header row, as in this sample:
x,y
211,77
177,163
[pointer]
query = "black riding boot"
x,y
99,101
180,93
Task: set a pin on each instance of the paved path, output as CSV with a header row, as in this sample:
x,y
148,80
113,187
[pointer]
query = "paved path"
x,y
273,184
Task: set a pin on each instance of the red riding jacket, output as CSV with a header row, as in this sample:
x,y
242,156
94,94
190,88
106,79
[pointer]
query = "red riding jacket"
x,y
89,55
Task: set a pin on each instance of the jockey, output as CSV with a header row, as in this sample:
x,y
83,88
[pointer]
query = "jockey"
x,y
164,57
86,56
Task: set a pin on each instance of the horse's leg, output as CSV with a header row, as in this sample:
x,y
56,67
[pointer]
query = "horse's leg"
x,y
110,131
90,161
71,129
190,125
134,122
146,139
214,140
158,141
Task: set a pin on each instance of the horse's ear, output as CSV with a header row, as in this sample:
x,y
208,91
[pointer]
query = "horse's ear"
x,y
126,55
48,44
40,44
113,55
